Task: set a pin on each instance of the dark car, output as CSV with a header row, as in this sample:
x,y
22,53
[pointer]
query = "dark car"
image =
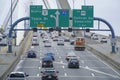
x,y
51,55
73,63
31,54
47,62
49,74
72,42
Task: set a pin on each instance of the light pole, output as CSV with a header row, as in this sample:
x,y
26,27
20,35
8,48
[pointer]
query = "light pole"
x,y
84,2
73,4
11,14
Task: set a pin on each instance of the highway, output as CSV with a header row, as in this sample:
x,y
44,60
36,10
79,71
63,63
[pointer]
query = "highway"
x,y
91,67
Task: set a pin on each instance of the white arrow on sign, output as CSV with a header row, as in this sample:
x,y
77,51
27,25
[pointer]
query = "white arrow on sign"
x,y
57,18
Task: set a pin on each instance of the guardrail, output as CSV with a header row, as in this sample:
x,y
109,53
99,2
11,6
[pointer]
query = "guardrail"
x,y
22,49
112,62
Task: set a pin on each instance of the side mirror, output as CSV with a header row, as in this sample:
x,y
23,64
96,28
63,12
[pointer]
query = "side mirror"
x,y
41,71
27,75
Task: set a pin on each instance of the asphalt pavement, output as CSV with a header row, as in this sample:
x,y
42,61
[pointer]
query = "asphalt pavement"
x,y
91,67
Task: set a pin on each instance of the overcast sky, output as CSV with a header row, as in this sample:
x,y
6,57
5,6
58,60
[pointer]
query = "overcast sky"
x,y
106,9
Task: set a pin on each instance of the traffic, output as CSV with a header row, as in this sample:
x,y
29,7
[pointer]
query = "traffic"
x,y
54,57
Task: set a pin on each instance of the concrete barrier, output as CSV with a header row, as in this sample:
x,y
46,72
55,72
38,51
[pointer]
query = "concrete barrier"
x,y
19,50
104,57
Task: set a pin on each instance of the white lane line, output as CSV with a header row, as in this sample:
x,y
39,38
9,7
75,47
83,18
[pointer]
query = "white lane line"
x,y
61,61
63,67
93,75
82,61
65,74
104,63
39,68
32,46
40,62
60,57
100,72
38,75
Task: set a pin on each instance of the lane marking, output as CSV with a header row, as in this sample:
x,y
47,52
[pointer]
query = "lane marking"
x,y
40,61
32,46
63,67
38,75
61,61
60,57
65,74
93,74
39,68
104,63
100,72
82,61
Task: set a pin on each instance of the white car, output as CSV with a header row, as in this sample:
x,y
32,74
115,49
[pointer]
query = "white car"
x,y
71,55
60,42
47,44
17,76
103,40
35,41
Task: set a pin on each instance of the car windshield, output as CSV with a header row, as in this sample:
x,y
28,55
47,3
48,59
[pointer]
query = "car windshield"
x,y
17,75
74,60
50,72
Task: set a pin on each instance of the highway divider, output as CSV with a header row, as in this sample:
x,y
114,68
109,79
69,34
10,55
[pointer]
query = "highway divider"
x,y
104,57
17,52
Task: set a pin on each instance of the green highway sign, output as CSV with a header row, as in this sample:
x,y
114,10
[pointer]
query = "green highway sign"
x,y
54,17
83,17
48,17
35,12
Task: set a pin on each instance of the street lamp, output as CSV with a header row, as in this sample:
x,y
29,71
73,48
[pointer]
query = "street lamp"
x,y
73,4
11,14
84,2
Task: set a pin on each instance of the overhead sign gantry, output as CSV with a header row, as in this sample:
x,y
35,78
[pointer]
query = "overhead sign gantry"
x,y
60,17
48,17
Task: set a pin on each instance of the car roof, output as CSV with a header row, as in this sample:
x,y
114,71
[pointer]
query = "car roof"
x,y
71,54
47,58
20,72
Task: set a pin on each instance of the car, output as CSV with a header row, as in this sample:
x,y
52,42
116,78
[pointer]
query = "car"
x,y
35,41
103,40
45,39
72,42
71,55
47,62
49,74
17,75
47,44
60,41
55,38
51,55
3,42
31,54
66,39
73,63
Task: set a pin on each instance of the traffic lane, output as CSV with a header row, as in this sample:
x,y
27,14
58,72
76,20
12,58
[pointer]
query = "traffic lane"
x,y
96,63
70,73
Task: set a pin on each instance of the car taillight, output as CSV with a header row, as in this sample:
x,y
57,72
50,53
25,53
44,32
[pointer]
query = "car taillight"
x,y
44,63
55,74
44,74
